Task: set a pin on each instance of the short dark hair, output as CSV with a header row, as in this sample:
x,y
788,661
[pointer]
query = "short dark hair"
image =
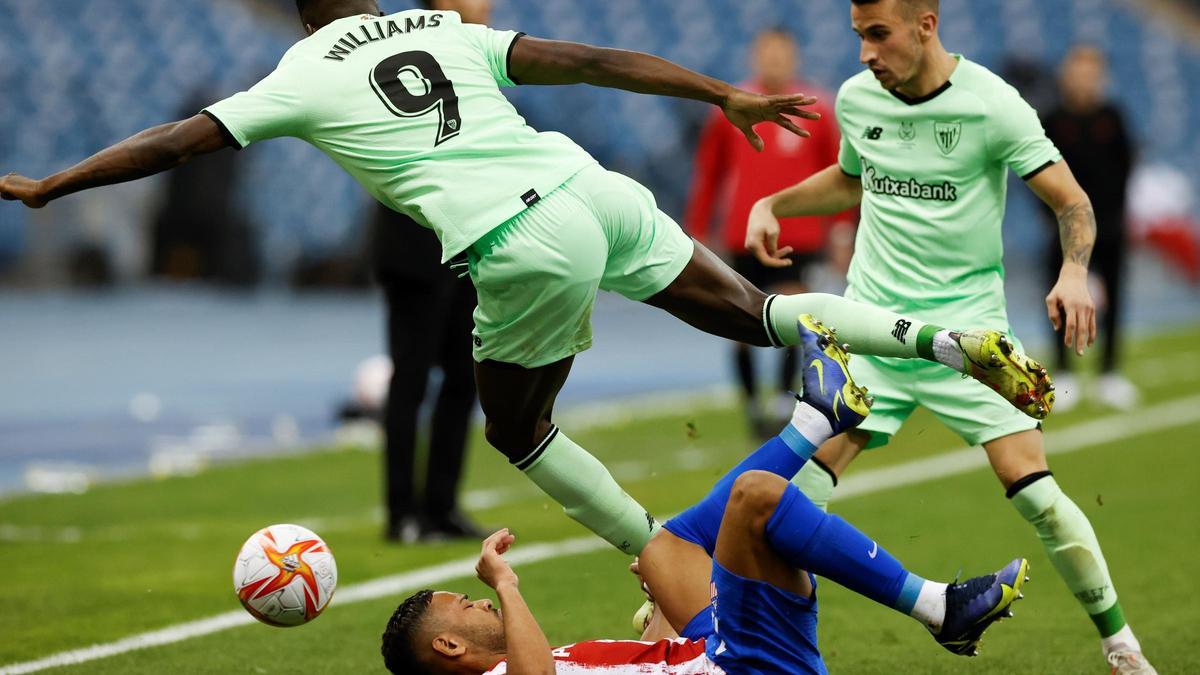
x,y
778,30
910,6
399,648
320,12
303,6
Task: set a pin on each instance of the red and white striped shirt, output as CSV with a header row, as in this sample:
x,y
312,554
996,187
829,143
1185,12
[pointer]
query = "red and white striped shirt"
x,y
620,657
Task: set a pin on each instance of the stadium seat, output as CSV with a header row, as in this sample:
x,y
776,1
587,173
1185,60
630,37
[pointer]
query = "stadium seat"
x,y
103,69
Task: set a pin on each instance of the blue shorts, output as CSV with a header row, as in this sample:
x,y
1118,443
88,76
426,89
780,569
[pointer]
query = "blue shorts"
x,y
754,627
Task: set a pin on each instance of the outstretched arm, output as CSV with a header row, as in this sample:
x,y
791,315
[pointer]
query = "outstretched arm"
x,y
526,646
537,61
1069,304
826,192
152,151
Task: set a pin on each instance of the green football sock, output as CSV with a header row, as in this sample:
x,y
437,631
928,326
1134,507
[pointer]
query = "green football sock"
x,y
816,482
1073,549
588,494
867,329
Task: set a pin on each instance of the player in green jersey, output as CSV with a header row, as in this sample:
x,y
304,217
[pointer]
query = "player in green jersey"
x,y
410,104
927,140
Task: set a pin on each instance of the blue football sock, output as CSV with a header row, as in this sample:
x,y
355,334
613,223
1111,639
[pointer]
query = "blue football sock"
x,y
782,455
830,547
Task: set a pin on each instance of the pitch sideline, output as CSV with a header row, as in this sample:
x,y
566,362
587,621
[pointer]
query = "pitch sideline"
x,y
1177,413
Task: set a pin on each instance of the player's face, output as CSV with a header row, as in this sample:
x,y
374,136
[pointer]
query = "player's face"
x,y
774,59
1084,77
891,41
477,622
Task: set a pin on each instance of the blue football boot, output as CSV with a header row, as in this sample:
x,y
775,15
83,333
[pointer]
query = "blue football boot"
x,y
975,604
828,386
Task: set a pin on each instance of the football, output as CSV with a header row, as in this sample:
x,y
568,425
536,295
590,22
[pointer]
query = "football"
x,y
284,575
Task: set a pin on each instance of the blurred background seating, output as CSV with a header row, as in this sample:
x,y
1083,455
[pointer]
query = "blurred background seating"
x,y
103,69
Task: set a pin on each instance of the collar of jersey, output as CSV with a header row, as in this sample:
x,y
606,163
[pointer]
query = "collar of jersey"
x,y
936,92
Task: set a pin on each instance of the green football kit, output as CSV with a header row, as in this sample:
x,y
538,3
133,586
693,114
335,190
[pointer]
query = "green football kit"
x,y
410,105
934,174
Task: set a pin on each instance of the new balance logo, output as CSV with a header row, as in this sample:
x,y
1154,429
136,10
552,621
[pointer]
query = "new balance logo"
x,y
900,332
872,133
1092,595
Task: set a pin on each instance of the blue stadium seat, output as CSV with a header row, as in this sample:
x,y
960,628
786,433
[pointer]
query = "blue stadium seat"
x,y
94,71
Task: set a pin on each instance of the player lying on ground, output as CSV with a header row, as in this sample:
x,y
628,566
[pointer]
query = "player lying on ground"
x,y
928,138
733,574
410,105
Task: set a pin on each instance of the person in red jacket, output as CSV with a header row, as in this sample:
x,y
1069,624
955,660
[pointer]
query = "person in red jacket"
x,y
730,176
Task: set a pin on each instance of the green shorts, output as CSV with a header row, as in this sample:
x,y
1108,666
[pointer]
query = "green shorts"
x,y
968,407
536,275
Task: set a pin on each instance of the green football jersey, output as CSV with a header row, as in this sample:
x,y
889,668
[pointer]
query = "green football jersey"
x,y
933,174
410,105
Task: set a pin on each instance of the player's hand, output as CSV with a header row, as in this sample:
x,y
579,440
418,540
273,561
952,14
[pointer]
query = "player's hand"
x,y
492,569
1071,308
745,109
25,190
637,572
762,236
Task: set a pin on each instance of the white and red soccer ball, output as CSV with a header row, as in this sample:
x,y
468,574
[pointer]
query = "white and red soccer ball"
x,y
284,575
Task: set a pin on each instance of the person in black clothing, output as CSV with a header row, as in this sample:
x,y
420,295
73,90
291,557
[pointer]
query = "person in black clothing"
x,y
200,233
1091,134
428,324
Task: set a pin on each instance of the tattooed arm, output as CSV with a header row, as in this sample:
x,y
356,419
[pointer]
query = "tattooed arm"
x,y
1069,304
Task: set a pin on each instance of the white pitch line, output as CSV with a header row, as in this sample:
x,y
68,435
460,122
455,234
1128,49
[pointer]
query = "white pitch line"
x,y
367,590
1163,416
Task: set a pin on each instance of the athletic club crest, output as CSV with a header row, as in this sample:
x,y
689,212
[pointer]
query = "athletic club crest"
x,y
947,135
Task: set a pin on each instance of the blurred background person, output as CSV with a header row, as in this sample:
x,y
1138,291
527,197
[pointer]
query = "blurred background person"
x,y
730,176
1091,133
1161,216
200,233
428,325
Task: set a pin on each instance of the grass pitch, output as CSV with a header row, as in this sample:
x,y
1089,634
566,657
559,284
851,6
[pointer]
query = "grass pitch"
x,y
139,556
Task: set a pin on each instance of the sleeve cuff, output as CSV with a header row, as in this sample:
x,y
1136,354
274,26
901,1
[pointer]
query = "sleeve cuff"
x,y
508,59
852,175
230,139
1040,169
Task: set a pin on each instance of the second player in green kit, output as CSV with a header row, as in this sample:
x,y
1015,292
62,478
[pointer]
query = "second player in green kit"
x,y
928,140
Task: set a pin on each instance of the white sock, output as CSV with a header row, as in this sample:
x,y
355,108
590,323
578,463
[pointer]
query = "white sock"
x,y
930,608
812,425
1121,641
947,351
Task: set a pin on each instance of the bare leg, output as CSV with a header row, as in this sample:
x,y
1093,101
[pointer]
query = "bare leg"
x,y
837,452
1017,455
712,297
517,403
677,572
